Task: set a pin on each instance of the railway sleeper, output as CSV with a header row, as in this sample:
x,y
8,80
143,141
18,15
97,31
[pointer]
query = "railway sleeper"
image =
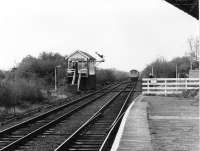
x,y
85,146
90,138
94,134
8,139
88,142
82,149
4,143
102,123
97,130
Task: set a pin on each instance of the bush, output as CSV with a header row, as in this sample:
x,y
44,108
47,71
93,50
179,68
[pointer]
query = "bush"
x,y
42,67
14,92
7,95
110,75
189,93
27,91
104,75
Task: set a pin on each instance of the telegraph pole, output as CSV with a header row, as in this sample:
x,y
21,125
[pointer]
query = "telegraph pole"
x,y
152,70
56,76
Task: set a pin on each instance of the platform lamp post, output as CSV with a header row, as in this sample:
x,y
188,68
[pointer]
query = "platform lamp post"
x,y
56,76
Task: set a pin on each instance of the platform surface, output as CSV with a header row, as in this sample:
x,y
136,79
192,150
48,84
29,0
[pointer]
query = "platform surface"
x,y
154,123
133,134
174,123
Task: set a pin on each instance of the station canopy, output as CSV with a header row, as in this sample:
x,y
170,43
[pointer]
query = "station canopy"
x,y
189,6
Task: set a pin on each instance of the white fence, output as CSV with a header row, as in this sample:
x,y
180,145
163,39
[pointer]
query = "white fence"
x,y
166,86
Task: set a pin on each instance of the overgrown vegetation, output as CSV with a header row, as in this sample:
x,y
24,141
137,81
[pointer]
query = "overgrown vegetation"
x,y
190,93
16,92
41,68
110,75
23,84
167,69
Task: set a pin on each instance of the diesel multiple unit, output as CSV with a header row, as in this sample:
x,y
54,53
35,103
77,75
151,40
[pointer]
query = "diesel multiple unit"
x,y
134,75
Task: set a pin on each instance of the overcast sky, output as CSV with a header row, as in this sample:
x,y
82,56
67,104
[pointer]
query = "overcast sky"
x,y
129,33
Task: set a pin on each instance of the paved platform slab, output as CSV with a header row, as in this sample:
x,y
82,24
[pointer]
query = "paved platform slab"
x,y
133,134
155,123
174,123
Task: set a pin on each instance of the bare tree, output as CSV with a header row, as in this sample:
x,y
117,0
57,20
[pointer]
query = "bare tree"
x,y
194,52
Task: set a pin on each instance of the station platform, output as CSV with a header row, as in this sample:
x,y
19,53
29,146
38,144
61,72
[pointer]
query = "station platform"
x,y
155,123
133,134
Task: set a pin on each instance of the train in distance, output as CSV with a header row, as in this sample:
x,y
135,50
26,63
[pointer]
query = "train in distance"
x,y
134,75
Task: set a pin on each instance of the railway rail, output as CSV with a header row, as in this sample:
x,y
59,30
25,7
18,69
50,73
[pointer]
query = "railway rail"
x,y
14,138
97,133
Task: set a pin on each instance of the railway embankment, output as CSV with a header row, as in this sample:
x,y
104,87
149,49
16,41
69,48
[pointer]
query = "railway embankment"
x,y
159,124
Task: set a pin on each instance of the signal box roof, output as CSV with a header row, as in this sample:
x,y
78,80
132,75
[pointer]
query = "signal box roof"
x,y
83,54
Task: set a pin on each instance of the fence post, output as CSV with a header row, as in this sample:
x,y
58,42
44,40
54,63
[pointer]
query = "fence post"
x,y
165,87
142,86
186,83
147,86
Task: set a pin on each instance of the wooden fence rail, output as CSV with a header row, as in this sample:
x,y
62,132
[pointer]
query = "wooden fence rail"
x,y
168,85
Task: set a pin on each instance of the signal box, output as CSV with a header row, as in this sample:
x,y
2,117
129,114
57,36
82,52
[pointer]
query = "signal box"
x,y
81,70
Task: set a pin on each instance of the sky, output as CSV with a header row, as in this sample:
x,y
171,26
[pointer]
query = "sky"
x,y
130,34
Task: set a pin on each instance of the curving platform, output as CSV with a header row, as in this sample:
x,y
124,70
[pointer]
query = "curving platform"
x,y
134,134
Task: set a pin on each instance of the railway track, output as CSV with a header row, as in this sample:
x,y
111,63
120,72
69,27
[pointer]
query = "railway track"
x,y
14,138
98,132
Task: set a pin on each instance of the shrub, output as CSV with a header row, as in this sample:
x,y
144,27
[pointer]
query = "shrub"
x,y
14,92
41,67
27,91
189,93
104,75
7,95
110,75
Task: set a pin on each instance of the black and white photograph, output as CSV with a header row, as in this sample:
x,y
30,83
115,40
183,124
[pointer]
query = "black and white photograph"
x,y
99,75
